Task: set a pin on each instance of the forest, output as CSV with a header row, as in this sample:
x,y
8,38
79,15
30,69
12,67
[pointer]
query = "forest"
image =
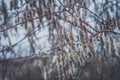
x,y
59,39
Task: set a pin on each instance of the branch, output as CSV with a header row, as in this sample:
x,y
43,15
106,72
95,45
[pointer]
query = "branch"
x,y
30,20
109,31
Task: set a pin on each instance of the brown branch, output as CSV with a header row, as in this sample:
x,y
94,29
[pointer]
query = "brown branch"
x,y
88,25
98,17
30,20
109,31
2,60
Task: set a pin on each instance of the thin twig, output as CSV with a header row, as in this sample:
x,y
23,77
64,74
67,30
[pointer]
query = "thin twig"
x,y
30,20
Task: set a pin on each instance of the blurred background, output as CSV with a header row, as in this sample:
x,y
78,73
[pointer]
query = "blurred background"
x,y
67,32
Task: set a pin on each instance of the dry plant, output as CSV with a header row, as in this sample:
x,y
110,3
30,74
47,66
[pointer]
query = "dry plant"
x,y
84,37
